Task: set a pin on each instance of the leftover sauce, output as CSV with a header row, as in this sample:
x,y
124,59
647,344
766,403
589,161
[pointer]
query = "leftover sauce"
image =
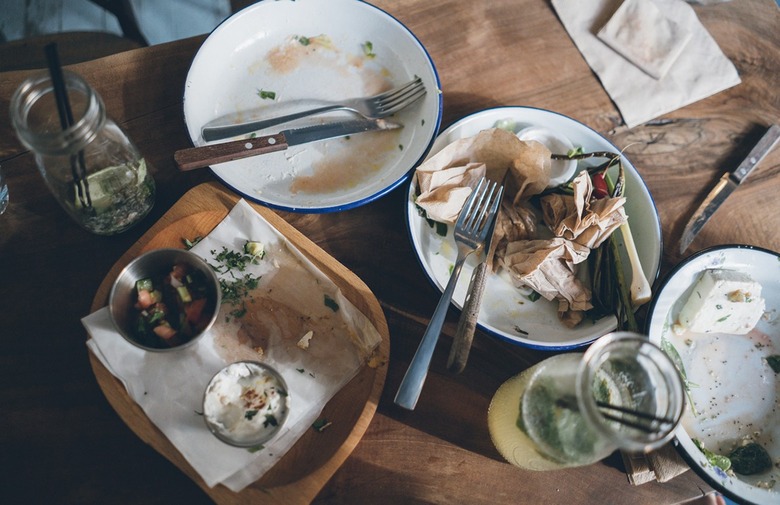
x,y
245,404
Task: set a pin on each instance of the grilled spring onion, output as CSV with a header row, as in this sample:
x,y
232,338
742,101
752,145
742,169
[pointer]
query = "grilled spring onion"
x,y
611,291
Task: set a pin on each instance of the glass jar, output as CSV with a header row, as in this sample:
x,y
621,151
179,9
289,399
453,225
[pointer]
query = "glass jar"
x,y
93,169
576,409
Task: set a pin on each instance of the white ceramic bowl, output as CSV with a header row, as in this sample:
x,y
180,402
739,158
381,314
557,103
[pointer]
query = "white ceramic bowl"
x,y
505,312
258,49
730,383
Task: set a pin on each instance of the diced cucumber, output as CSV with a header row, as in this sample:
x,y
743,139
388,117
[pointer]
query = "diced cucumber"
x,y
256,249
144,285
184,294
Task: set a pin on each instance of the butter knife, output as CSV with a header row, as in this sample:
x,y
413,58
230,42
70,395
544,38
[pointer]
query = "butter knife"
x,y
469,316
203,156
726,185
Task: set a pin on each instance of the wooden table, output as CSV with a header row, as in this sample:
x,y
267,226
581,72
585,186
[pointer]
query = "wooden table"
x,y
62,443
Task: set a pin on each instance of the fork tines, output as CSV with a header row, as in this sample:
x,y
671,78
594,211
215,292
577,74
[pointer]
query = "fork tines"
x,y
401,97
479,211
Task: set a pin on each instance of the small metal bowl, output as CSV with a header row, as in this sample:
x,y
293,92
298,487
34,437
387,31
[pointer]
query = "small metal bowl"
x,y
157,263
235,406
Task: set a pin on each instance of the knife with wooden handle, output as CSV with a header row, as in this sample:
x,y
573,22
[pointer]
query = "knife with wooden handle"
x,y
726,185
203,156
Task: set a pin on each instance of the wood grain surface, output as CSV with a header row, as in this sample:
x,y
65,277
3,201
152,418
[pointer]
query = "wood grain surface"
x,y
63,442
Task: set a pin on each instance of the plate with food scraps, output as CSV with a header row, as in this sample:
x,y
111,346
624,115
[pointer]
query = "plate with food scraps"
x,y
716,315
271,56
506,311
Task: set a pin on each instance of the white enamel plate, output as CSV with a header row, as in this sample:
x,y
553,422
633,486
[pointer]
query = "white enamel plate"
x,y
505,311
282,51
731,385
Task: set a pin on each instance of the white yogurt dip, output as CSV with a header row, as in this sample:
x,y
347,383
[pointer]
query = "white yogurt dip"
x,y
245,403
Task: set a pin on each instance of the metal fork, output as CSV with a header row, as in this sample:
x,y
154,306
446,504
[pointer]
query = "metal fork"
x,y
471,229
374,107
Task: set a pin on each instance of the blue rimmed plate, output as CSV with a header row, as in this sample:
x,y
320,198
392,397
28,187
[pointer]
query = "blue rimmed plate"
x,y
506,312
309,49
731,384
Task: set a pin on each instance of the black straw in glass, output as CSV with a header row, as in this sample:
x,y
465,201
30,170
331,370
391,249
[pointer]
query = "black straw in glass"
x,y
77,164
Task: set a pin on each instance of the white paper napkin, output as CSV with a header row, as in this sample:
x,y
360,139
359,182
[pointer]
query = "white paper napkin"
x,y
698,71
169,386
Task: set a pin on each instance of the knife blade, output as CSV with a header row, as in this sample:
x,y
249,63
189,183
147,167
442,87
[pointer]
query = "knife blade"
x,y
248,121
726,185
469,316
203,156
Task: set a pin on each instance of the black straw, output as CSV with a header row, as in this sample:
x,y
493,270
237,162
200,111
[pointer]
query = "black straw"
x,y
570,403
77,164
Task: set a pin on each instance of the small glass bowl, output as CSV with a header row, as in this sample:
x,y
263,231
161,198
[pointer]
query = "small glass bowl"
x,y
246,404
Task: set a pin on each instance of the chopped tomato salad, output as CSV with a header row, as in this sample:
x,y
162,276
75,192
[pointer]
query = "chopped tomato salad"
x,y
173,308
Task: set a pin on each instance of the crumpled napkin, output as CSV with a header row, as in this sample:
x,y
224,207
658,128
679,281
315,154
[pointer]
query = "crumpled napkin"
x,y
698,71
577,218
661,465
169,387
445,179
547,266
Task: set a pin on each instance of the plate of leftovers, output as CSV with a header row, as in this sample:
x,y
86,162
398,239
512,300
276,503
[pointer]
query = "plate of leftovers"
x,y
277,58
716,316
578,232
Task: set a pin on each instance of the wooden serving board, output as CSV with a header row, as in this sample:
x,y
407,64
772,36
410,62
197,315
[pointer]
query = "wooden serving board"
x,y
304,470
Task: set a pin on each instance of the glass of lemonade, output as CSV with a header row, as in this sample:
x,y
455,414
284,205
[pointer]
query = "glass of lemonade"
x,y
91,166
576,409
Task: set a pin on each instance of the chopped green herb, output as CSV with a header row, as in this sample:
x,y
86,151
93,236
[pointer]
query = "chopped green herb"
x,y
774,362
534,296
520,330
304,41
249,414
441,229
252,135
401,147
270,420
321,424
577,151
236,289
189,244
266,95
331,303
256,448
300,370
724,318
717,460
368,49
718,306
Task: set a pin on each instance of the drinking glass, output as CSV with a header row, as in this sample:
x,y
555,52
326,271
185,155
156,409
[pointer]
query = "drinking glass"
x,y
575,409
3,192
92,167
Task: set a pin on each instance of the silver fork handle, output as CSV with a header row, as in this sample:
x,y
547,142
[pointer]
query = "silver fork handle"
x,y
412,383
211,133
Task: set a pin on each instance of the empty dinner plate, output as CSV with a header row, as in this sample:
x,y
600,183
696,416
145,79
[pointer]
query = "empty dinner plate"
x,y
507,312
275,53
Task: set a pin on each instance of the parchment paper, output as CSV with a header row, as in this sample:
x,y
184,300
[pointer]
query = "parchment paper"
x,y
169,386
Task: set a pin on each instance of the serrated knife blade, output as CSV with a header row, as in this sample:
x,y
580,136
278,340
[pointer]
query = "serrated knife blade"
x,y
726,185
203,156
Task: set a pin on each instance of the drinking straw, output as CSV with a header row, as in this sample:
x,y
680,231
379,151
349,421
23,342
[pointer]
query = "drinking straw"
x,y
77,163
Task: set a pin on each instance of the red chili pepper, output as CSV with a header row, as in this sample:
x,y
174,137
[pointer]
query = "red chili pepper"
x,y
599,186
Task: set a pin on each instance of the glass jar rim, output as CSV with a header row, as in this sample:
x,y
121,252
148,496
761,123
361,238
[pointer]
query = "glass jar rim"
x,y
596,355
69,140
